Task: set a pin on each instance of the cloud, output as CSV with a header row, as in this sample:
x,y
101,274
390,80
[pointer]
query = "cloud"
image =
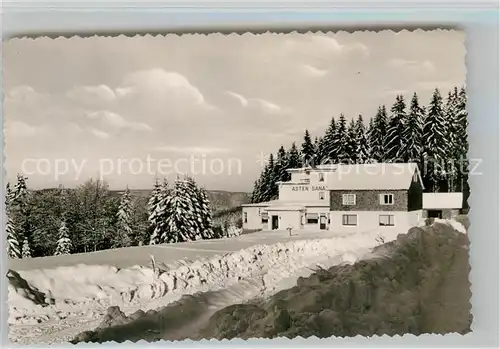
x,y
311,71
243,101
191,150
91,94
256,103
19,129
323,45
116,122
416,66
158,83
99,133
24,94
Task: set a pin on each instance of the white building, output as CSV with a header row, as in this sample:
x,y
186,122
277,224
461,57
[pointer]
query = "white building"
x,y
359,197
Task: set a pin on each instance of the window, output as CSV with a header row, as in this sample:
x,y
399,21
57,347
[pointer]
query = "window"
x,y
246,217
349,199
322,195
321,177
386,199
386,220
350,219
312,218
265,217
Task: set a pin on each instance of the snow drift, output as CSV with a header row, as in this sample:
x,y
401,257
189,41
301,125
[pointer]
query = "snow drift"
x,y
415,284
87,291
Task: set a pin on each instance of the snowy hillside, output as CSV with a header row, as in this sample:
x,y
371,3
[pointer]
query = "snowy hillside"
x,y
55,303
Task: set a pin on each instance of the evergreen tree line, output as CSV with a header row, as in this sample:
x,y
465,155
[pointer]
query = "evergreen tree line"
x,y
62,221
433,136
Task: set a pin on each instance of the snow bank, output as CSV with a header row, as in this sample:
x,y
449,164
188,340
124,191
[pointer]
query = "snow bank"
x,y
72,290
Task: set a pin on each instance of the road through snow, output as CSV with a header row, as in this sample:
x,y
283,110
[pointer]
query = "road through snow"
x,y
78,293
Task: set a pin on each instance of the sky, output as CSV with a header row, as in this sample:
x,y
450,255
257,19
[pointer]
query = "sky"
x,y
132,109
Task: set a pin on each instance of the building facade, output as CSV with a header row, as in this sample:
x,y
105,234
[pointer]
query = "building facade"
x,y
360,197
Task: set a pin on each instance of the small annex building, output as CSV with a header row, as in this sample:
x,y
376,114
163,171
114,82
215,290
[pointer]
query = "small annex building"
x,y
350,197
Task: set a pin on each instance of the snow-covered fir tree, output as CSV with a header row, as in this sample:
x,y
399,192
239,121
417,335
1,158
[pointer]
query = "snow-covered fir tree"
x,y
412,134
64,245
362,151
180,215
341,141
351,145
122,237
153,203
26,251
257,191
159,217
281,165
13,246
196,223
434,147
207,231
377,135
293,157
452,134
394,142
307,150
21,193
330,144
462,147
269,180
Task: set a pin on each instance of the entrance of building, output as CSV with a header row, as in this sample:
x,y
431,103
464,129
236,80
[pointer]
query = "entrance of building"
x,y
435,214
322,222
274,222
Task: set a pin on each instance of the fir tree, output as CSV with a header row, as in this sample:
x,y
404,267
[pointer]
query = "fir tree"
x,y
462,145
64,244
153,203
434,133
269,180
341,140
362,147
196,223
21,209
321,156
26,252
307,150
160,215
330,144
207,231
179,215
377,135
412,134
394,143
123,234
13,248
293,157
351,144
257,191
281,164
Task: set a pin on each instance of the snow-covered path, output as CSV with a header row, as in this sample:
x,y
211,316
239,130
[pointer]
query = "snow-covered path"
x,y
238,269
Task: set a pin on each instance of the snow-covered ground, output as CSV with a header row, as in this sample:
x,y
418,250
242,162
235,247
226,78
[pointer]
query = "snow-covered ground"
x,y
65,295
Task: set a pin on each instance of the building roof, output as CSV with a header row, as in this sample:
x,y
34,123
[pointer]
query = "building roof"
x,y
378,176
442,201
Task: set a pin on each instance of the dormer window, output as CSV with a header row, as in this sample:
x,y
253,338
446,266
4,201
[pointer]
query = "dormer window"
x,y
321,177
